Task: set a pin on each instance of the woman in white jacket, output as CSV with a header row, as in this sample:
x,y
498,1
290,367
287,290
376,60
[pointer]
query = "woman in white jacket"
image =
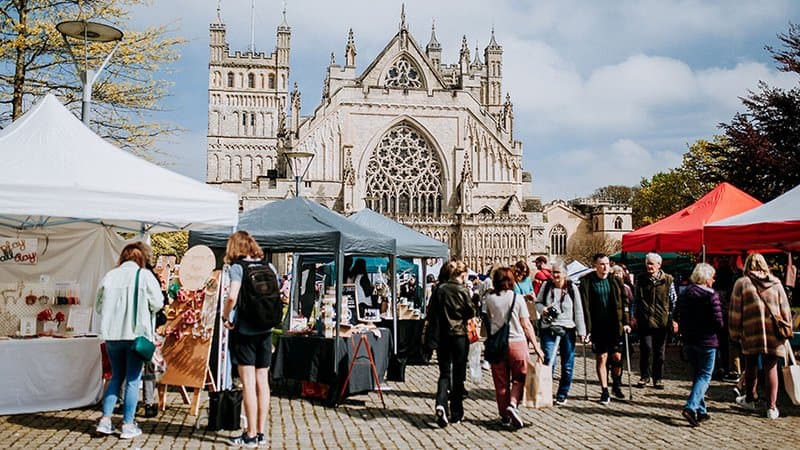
x,y
115,305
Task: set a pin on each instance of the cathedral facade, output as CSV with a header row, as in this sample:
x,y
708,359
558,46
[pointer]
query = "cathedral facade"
x,y
426,143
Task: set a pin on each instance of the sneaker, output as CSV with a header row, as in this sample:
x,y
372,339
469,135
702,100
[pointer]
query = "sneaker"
x,y
617,392
441,416
130,431
485,365
737,391
505,421
105,426
644,381
516,419
658,384
731,376
690,416
773,413
605,398
561,401
244,441
702,417
262,440
744,404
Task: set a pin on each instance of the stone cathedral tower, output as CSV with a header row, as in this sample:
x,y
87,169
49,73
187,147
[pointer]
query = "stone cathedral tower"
x,y
247,98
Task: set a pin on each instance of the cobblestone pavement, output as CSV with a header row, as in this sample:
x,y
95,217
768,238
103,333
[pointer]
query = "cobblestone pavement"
x,y
651,420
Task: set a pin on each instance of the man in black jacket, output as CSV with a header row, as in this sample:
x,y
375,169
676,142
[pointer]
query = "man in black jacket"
x,y
606,319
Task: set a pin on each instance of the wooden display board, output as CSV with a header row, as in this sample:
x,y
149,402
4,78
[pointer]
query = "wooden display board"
x,y
189,328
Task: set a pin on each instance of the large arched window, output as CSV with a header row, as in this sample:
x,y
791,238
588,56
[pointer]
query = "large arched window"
x,y
251,80
558,240
271,81
230,79
403,74
618,223
404,175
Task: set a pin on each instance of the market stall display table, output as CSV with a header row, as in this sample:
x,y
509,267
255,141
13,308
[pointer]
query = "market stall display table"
x,y
311,358
49,374
409,348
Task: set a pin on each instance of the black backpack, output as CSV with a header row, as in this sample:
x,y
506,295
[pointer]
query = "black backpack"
x,y
260,305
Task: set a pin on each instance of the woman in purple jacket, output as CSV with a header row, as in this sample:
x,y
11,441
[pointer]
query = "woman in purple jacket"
x,y
699,316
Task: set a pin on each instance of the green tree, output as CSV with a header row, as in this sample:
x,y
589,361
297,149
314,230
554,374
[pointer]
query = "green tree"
x,y
170,243
615,193
34,61
663,194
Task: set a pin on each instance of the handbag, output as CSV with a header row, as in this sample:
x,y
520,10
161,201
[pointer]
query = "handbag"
x,y
556,330
783,328
791,375
497,343
473,327
143,347
224,410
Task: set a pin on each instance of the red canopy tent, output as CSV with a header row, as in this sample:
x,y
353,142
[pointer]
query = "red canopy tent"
x,y
683,231
776,224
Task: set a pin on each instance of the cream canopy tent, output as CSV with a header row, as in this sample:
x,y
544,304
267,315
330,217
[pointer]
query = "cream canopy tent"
x,y
57,171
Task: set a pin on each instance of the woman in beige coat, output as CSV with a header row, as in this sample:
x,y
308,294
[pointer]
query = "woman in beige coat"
x,y
755,298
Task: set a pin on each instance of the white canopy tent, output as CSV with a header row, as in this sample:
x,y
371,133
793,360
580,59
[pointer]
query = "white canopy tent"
x,y
65,192
56,170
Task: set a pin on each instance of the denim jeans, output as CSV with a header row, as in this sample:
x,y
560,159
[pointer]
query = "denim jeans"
x,y
566,352
701,359
125,366
452,356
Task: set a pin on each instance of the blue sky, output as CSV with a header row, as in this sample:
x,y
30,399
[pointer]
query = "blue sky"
x,y
604,92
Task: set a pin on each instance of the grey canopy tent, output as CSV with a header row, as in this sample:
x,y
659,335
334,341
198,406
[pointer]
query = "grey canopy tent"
x,y
303,226
410,243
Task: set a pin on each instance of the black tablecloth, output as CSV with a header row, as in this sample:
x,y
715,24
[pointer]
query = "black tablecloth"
x,y
310,358
409,348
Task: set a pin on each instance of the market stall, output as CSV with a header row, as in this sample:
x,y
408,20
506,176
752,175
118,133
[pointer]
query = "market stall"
x,y
407,319
64,196
307,229
684,230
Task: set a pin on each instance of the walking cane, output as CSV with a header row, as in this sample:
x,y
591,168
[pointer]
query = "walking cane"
x,y
628,358
585,374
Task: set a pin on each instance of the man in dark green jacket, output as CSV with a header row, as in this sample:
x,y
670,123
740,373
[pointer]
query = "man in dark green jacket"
x,y
606,319
654,300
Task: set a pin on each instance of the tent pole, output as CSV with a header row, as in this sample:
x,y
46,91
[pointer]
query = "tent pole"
x,y
339,280
393,291
704,252
294,296
424,283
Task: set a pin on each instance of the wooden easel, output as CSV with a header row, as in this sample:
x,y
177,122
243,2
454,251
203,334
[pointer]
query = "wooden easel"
x,y
194,402
362,340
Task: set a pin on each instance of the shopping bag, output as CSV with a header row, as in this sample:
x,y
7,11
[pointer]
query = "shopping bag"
x,y
791,375
474,362
538,386
224,410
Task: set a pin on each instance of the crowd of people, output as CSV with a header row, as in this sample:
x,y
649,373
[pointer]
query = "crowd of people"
x,y
544,315
541,317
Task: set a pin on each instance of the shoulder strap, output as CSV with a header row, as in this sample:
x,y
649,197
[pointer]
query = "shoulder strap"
x,y
547,287
769,308
511,308
136,299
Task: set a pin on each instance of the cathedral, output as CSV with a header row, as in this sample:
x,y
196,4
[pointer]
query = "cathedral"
x,y
424,142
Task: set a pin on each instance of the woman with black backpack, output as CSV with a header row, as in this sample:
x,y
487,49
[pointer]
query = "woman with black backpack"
x,y
251,341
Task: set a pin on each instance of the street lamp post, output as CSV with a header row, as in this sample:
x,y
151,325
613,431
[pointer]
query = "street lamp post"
x,y
88,32
296,160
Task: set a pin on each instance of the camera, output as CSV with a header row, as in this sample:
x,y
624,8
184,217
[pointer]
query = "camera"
x,y
550,314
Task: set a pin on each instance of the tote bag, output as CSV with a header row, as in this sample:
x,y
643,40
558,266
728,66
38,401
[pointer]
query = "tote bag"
x,y
791,375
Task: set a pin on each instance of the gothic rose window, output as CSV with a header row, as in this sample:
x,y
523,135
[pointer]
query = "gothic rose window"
x,y
403,74
404,175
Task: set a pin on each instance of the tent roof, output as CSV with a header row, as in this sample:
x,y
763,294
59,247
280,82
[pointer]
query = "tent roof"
x,y
774,224
57,170
683,231
410,243
301,225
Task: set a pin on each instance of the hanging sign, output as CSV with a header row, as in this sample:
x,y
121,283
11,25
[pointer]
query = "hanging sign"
x,y
20,251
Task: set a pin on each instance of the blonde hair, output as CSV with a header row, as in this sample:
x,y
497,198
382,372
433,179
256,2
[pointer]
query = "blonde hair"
x,y
242,245
755,262
454,268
